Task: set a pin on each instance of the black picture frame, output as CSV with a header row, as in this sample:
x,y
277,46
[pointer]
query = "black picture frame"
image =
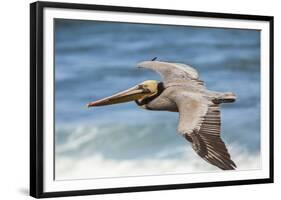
x,y
37,100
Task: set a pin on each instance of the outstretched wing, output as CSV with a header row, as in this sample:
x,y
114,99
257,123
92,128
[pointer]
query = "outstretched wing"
x,y
199,122
172,72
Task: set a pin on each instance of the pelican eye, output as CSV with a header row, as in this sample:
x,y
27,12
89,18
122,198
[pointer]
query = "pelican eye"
x,y
144,88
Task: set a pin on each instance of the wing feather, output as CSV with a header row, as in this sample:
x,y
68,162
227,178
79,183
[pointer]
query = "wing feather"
x,y
200,125
173,72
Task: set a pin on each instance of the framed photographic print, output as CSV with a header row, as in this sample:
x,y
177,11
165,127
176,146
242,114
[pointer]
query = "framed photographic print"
x,y
127,99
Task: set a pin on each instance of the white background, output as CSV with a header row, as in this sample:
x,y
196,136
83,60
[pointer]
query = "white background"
x,y
14,101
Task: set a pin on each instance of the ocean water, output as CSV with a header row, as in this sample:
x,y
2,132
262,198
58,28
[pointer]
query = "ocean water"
x,y
96,59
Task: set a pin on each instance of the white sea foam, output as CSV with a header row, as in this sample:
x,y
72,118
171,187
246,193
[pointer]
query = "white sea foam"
x,y
98,166
100,151
77,137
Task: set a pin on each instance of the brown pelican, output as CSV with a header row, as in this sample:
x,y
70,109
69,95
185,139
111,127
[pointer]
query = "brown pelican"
x,y
182,91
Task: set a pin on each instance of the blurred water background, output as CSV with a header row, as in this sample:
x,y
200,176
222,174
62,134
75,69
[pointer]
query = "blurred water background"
x,y
96,59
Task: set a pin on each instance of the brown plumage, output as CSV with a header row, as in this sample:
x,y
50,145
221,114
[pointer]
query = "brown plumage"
x,y
199,114
182,91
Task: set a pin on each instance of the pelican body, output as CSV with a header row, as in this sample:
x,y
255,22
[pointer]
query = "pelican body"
x,y
182,91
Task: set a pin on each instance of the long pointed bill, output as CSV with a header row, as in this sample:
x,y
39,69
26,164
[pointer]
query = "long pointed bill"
x,y
131,94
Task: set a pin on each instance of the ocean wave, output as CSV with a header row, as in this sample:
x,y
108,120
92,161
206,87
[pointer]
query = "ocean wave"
x,y
97,166
135,149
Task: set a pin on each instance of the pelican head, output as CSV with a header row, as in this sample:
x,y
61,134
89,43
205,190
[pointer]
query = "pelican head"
x,y
137,93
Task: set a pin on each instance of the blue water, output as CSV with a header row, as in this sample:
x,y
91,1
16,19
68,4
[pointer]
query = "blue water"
x,y
96,59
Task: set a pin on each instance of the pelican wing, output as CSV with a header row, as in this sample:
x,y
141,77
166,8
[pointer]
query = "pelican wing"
x,y
199,122
172,72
